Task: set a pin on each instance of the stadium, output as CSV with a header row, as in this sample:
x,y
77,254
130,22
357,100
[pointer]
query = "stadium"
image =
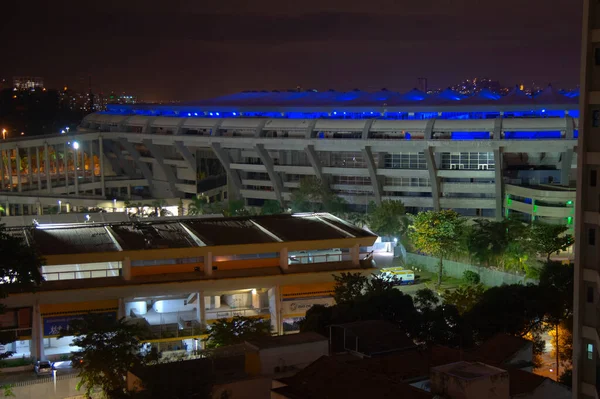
x,y
485,155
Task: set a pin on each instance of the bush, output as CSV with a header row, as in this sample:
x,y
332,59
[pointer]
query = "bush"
x,y
22,361
471,278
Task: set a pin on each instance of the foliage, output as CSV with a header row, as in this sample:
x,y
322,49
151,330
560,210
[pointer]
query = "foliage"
x,y
236,208
471,277
348,287
314,195
21,361
550,238
20,267
565,341
566,378
357,218
7,391
109,348
437,233
388,219
198,206
463,298
271,207
237,330
426,299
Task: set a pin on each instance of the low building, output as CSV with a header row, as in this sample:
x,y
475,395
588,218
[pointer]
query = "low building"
x,y
271,355
469,380
176,276
507,350
368,338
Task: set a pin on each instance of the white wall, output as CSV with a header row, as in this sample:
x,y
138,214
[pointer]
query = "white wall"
x,y
172,305
297,355
238,300
65,388
140,308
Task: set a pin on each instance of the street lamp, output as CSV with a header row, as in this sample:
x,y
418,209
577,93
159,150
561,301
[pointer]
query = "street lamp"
x,y
4,134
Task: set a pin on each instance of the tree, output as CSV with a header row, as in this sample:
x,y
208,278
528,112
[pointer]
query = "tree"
x,y
314,195
550,238
237,330
348,287
437,233
463,298
358,219
426,299
109,348
556,283
388,219
20,270
271,207
198,206
236,208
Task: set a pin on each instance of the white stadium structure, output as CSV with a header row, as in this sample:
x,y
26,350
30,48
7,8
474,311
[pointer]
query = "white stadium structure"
x,y
484,155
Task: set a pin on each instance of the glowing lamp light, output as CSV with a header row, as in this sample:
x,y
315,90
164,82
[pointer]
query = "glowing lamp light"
x,y
75,145
211,114
62,132
543,110
234,114
189,114
334,112
195,114
217,114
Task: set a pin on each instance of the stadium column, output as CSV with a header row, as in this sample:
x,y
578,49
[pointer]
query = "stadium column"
x,y
66,167
188,157
433,177
313,158
9,169
91,162
101,160
566,159
39,173
167,170
370,161
47,168
37,333
274,295
497,133
233,177
18,167
29,168
135,155
267,161
498,161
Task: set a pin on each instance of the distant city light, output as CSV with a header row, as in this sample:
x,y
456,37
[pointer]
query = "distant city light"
x,y
195,114
217,114
62,132
75,145
234,114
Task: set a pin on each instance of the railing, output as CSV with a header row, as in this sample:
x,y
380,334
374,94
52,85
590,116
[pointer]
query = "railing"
x,y
323,258
82,274
60,375
226,314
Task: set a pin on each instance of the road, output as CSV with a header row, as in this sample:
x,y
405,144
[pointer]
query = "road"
x,y
23,376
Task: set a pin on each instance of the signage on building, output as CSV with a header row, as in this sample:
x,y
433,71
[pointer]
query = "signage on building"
x,y
300,306
55,324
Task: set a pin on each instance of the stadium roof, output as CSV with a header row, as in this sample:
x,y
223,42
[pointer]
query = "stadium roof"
x,y
355,101
80,238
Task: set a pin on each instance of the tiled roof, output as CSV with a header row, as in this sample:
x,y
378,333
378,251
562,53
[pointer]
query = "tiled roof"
x,y
523,382
500,348
287,340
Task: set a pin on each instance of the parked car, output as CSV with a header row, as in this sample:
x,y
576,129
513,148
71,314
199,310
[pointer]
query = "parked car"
x,y
43,367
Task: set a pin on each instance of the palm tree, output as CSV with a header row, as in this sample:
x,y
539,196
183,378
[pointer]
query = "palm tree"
x,y
198,206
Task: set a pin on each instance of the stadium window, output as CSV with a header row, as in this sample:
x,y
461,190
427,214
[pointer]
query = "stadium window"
x,y
592,236
590,351
597,55
590,294
593,177
596,118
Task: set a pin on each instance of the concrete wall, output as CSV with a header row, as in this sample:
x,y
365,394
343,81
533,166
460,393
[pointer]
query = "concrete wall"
x,y
489,277
298,356
172,305
65,388
243,300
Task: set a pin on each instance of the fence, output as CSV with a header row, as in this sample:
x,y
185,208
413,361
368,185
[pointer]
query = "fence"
x,y
489,277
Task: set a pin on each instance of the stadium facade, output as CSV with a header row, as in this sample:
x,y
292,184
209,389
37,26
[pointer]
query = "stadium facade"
x,y
483,155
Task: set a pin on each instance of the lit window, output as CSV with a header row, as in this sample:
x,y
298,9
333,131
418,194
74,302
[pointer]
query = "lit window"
x,y
590,351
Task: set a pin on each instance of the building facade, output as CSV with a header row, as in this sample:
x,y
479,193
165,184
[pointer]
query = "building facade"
x,y
176,276
586,341
484,156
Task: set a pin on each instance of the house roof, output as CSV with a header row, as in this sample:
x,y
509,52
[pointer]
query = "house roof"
x,y
287,340
524,382
328,378
376,336
501,348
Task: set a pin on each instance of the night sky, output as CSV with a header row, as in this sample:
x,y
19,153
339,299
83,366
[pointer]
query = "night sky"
x,y
187,50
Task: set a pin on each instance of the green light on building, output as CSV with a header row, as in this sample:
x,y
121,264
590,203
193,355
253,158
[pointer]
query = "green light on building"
x,y
569,220
535,208
569,202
